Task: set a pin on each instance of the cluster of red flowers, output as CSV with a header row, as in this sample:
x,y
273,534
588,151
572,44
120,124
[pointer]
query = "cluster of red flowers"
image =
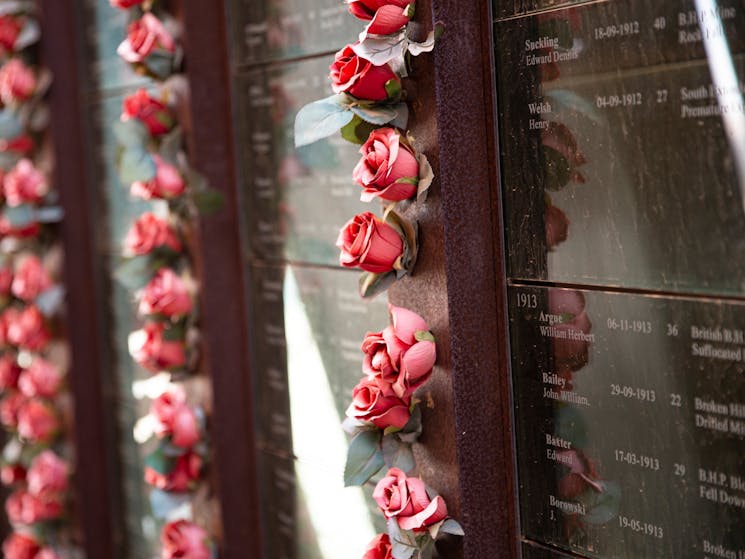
x,y
399,359
166,299
35,463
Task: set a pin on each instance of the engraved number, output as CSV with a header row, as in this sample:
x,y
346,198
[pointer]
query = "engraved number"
x,y
672,329
679,469
676,400
527,300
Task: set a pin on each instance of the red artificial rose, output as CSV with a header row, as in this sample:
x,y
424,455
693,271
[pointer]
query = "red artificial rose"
x,y
359,77
17,82
406,499
156,117
149,233
184,540
6,278
582,475
379,548
175,418
24,184
124,4
166,295
20,546
26,328
367,242
22,507
152,351
30,278
557,226
388,168
10,29
41,378
560,139
377,362
37,421
385,16
373,401
48,473
12,474
10,405
412,358
183,476
143,37
166,185
19,145
9,372
572,351
7,229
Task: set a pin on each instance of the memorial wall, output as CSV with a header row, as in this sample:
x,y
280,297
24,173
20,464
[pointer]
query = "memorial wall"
x,y
622,134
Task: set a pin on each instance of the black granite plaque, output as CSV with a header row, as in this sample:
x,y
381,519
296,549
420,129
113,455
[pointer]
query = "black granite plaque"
x,y
532,551
296,200
619,172
630,411
286,29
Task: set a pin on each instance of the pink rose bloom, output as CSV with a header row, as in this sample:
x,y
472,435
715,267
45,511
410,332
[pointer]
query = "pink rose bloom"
x,y
388,168
12,474
184,540
570,353
167,183
151,112
413,359
373,401
48,473
10,29
385,16
377,362
379,548
557,226
9,372
166,295
30,279
175,418
143,37
24,508
124,4
20,546
367,242
17,82
149,233
37,421
26,328
405,499
41,378
185,473
359,77
10,405
24,184
154,353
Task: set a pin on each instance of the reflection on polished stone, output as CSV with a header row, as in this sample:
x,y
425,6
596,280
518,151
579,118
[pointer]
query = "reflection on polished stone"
x,y
296,199
631,421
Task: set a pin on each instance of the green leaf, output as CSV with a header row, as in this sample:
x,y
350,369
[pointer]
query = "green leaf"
x,y
357,131
377,114
160,63
130,133
134,273
393,88
160,462
402,116
320,119
364,458
410,10
175,332
20,216
451,526
208,201
167,504
10,125
371,284
397,454
602,507
424,336
171,145
136,164
403,545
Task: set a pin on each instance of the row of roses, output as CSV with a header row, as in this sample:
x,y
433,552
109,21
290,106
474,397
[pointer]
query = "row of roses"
x,y
158,267
34,404
384,419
